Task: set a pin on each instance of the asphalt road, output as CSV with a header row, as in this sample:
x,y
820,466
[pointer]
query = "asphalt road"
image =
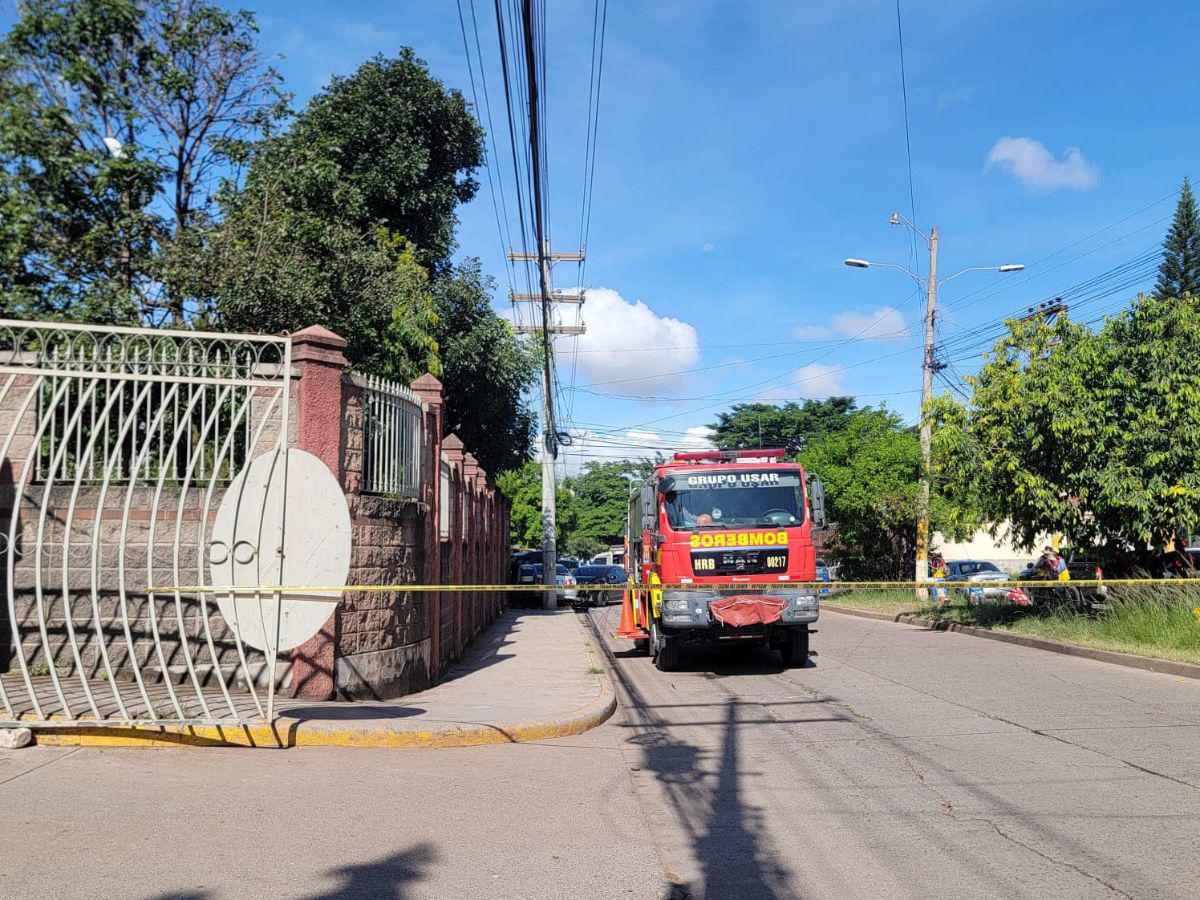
x,y
900,763
908,763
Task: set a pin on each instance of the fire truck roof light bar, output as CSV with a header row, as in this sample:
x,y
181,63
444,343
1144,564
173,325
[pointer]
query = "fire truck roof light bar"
x,y
727,455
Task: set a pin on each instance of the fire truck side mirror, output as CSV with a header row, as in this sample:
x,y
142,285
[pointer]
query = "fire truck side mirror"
x,y
816,499
649,503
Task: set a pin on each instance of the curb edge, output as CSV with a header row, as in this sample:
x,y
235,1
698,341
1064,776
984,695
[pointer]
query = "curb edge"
x,y
287,733
1128,660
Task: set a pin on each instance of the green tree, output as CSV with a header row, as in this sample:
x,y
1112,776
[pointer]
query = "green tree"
x,y
1179,273
871,471
342,216
404,148
600,501
788,425
486,371
1091,434
523,488
117,119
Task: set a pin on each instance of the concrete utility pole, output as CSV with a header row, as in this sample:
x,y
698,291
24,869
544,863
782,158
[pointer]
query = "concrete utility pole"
x,y
927,368
929,365
549,440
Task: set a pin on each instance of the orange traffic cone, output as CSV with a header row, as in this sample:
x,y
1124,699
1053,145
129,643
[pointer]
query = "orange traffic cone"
x,y
628,627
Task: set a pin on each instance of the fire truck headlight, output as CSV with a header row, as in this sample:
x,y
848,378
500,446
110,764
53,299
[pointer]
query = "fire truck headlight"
x,y
679,604
807,604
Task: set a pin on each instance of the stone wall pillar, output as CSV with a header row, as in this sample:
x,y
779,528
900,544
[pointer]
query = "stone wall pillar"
x,y
319,361
429,390
452,453
472,480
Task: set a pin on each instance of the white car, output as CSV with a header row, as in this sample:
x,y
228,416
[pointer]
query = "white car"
x,y
976,573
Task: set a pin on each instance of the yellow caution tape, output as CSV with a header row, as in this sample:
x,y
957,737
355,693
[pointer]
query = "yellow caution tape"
x,y
761,586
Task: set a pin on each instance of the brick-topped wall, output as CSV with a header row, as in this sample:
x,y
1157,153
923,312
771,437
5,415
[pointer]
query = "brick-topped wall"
x,y
385,643
376,644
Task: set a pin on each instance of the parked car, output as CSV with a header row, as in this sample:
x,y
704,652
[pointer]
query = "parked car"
x,y
827,572
1081,568
570,562
590,574
976,573
531,573
618,575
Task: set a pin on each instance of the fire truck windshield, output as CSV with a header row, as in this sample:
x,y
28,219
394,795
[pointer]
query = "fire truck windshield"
x,y
723,499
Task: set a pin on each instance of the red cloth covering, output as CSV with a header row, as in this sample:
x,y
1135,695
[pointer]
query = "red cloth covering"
x,y
748,609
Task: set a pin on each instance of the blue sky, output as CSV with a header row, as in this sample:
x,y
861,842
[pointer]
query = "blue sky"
x,y
746,148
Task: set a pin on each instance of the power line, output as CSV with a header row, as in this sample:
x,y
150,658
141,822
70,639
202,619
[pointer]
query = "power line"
x,y
501,230
912,195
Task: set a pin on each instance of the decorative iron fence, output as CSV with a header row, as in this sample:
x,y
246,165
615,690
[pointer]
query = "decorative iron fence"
x,y
118,447
99,428
392,438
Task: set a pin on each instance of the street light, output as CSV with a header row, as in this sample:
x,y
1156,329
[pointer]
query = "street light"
x,y
930,284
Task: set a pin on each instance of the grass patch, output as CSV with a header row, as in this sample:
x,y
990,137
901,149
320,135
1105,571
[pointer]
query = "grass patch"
x,y
1160,620
888,601
595,670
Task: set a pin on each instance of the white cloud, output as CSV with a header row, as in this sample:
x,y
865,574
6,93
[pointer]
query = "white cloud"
x,y
811,332
815,381
1035,167
366,32
946,99
883,324
819,380
615,352
707,248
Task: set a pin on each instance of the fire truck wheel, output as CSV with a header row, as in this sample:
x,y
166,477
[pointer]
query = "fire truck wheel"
x,y
642,646
666,650
795,653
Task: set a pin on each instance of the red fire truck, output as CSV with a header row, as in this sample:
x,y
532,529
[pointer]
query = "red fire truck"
x,y
720,549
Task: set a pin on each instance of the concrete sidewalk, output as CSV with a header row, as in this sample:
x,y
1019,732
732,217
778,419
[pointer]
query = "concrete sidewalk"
x,y
533,675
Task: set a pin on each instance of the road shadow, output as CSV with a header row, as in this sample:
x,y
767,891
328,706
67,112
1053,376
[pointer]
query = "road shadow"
x,y
703,789
382,879
350,712
733,660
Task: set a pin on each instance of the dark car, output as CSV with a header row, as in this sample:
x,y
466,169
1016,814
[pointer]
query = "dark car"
x,y
1081,568
598,575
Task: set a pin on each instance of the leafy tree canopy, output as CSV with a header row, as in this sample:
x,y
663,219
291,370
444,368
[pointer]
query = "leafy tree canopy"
x,y
342,216
871,470
1091,434
404,148
600,502
523,488
486,371
118,119
788,425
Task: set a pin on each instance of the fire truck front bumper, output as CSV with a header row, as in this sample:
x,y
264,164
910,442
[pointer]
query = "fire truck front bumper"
x,y
690,609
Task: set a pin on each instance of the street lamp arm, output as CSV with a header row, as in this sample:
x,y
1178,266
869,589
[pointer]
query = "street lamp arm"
x,y
915,277
1004,268
898,219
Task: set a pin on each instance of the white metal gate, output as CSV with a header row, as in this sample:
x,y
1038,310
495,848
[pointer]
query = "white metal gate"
x,y
118,447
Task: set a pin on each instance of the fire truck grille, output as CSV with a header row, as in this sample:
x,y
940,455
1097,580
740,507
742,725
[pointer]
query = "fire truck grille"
x,y
759,561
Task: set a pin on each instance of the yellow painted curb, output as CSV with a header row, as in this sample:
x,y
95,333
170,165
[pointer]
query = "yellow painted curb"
x,y
286,732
